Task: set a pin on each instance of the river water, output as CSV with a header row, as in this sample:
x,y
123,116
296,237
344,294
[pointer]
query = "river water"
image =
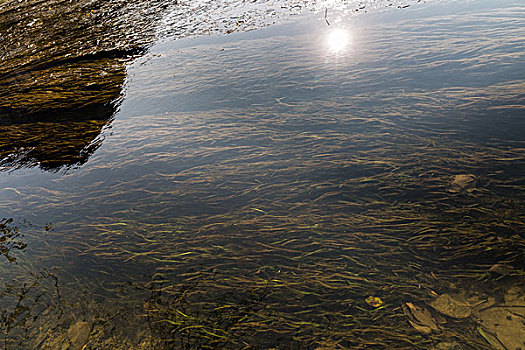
x,y
254,189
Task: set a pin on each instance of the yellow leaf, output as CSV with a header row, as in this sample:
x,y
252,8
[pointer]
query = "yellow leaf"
x,y
374,301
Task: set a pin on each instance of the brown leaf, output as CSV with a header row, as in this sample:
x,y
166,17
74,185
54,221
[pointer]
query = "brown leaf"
x,y
420,318
420,328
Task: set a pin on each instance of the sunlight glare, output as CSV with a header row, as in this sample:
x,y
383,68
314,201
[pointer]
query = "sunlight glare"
x,y
337,40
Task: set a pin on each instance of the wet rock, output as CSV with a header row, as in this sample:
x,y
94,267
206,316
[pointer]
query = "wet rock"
x,y
481,304
78,335
515,296
451,307
500,320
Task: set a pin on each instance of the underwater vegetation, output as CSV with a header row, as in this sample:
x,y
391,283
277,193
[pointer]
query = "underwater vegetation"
x,y
263,194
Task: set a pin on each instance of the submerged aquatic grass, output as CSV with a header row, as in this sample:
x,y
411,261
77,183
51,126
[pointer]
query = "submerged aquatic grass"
x,y
271,224
282,244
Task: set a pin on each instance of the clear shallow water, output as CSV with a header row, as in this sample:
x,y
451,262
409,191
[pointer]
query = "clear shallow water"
x,y
264,184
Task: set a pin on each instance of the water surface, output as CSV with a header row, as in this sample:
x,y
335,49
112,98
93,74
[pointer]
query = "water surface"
x,y
252,190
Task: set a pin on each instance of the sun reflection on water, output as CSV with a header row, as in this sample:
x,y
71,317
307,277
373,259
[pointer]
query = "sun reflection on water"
x,y
337,40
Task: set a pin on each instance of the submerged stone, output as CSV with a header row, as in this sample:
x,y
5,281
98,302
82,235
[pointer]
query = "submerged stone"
x,y
78,335
451,307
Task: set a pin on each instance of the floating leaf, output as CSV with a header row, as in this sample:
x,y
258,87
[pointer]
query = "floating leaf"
x,y
374,301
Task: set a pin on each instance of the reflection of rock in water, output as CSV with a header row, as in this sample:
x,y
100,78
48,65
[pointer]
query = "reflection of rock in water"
x,y
66,89
58,54
62,67
50,144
